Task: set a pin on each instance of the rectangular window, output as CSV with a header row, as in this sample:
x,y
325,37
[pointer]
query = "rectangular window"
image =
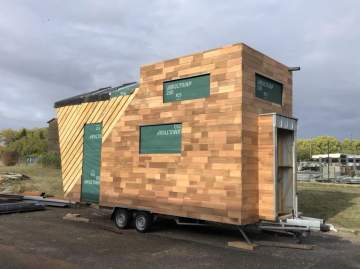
x,y
186,88
268,89
164,138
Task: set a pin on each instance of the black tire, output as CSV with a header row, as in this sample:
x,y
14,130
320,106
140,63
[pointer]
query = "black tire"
x,y
122,218
143,221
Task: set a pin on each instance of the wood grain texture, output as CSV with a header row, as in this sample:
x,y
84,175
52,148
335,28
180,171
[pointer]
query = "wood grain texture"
x,y
204,180
256,62
71,120
266,162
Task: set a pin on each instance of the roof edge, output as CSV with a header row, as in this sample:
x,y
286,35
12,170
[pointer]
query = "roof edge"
x,y
101,94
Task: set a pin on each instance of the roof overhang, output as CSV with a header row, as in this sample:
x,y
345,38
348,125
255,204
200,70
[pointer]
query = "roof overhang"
x,y
98,95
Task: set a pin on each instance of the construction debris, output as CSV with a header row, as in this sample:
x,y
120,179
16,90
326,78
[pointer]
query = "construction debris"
x,y
15,203
10,197
12,203
49,201
17,207
13,176
75,217
37,199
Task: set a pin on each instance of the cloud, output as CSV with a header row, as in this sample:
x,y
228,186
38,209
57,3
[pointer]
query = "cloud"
x,y
55,49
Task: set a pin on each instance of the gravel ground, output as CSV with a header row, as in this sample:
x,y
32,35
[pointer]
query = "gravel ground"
x,y
44,240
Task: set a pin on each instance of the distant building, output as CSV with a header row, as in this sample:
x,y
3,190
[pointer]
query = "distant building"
x,y
53,136
338,159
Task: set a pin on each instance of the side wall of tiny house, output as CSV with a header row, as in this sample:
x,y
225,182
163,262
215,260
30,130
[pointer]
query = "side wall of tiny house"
x,y
203,181
257,156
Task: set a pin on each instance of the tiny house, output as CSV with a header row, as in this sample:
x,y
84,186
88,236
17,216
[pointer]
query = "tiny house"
x,y
208,136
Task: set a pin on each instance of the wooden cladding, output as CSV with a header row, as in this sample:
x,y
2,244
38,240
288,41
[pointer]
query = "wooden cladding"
x,y
266,163
203,181
216,176
71,121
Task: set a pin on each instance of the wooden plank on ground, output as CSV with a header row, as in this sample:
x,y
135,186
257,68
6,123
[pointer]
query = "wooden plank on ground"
x,y
242,245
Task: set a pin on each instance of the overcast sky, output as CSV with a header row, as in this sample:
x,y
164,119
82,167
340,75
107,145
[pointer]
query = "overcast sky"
x,y
50,50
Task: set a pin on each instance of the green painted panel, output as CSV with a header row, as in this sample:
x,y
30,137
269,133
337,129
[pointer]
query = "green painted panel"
x,y
164,138
122,91
186,88
91,162
268,89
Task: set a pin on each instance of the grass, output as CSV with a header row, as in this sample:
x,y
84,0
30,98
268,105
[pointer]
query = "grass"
x,y
43,179
338,204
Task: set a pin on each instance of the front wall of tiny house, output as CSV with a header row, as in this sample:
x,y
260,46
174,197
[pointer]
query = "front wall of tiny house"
x,y
217,175
204,180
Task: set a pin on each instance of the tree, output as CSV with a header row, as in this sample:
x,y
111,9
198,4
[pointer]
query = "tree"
x,y
351,146
303,148
357,147
26,141
22,133
8,136
321,145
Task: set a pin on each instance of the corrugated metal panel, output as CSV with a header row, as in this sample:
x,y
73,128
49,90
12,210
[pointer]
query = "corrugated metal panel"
x,y
285,123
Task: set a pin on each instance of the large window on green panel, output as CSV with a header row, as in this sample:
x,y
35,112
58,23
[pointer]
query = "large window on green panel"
x,y
268,89
164,138
186,88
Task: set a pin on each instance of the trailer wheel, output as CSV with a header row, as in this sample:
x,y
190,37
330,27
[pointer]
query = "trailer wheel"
x,y
122,218
143,221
